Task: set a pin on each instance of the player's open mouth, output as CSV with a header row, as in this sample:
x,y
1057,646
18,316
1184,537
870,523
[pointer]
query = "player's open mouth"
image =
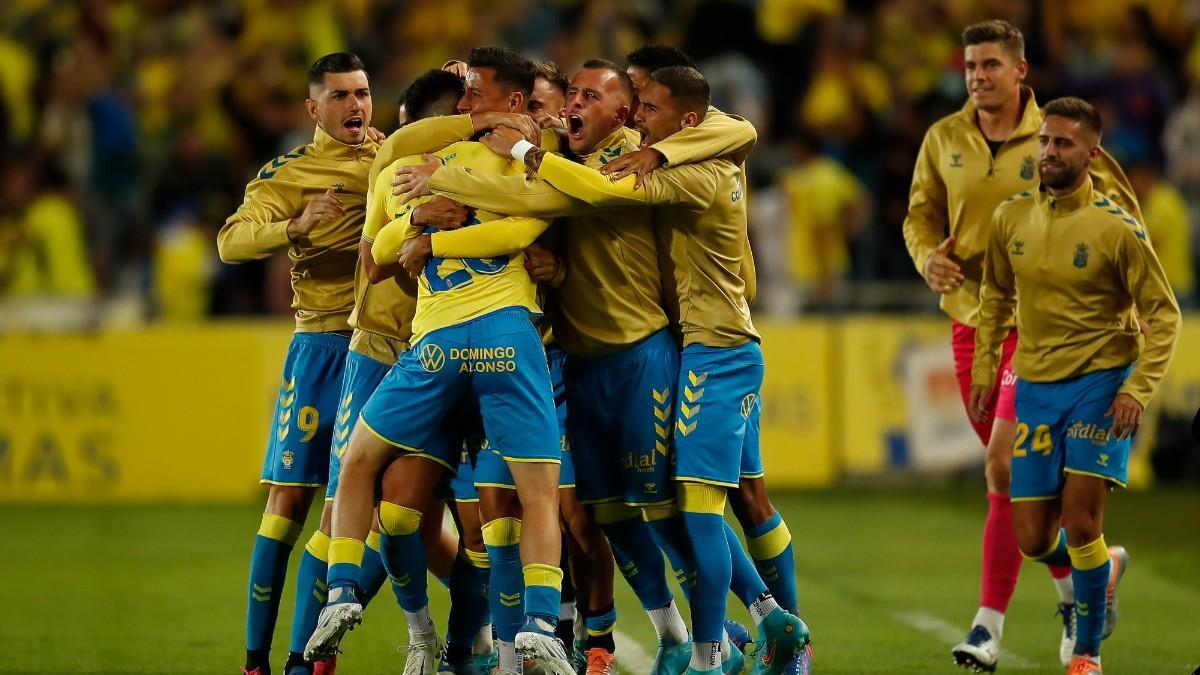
x,y
575,126
354,124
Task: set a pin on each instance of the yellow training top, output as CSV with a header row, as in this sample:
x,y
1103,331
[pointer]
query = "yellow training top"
x,y
454,290
611,297
704,204
1074,268
957,183
384,309
323,268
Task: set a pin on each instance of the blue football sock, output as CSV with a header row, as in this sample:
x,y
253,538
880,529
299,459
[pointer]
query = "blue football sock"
x,y
702,508
468,599
543,591
311,590
268,571
637,554
770,545
744,582
1090,567
667,528
600,626
506,587
373,573
404,555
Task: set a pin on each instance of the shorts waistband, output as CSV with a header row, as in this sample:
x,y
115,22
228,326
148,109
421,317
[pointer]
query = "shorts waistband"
x,y
323,340
660,339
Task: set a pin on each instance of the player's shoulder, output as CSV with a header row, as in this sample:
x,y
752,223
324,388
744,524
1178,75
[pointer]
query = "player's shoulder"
x,y
1016,205
949,126
1115,218
284,166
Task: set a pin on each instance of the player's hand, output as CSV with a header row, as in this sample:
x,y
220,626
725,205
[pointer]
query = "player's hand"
x,y
413,181
441,213
319,209
523,123
415,253
1127,416
541,264
639,163
942,274
547,121
501,140
459,68
977,402
376,135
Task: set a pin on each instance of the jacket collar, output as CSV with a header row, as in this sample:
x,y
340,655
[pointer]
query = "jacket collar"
x,y
1031,115
1067,204
614,145
329,147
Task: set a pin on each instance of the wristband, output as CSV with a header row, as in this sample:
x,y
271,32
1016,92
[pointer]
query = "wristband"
x,y
520,149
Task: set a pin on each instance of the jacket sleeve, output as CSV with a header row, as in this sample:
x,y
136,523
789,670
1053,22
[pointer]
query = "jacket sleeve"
x,y
718,135
925,224
691,185
428,135
259,226
502,236
512,194
997,303
1147,284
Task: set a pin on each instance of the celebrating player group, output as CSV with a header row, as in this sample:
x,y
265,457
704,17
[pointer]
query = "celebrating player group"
x,y
530,307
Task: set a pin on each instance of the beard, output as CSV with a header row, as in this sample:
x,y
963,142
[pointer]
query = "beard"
x,y
1060,175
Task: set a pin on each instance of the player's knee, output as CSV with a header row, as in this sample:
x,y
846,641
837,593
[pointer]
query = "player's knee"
x,y
502,532
750,502
998,472
1082,525
1033,542
702,498
396,520
290,501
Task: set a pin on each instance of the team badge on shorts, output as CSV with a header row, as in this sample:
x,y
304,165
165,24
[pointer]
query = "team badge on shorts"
x,y
288,459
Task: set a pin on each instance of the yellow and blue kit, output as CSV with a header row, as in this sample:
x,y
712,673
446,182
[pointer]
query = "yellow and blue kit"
x,y
623,362
473,335
721,368
323,286
958,182
1078,265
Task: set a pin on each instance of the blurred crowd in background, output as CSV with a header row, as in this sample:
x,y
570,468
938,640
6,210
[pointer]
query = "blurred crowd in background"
x,y
129,128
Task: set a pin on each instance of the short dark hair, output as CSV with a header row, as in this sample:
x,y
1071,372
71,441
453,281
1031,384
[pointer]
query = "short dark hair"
x,y
427,90
337,62
1078,110
511,68
622,76
653,57
996,30
688,87
553,74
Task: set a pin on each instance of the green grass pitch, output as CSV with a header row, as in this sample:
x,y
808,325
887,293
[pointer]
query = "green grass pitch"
x,y
887,580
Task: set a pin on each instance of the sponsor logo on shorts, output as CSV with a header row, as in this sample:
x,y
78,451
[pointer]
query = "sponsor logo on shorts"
x,y
748,403
640,462
1095,433
485,359
432,358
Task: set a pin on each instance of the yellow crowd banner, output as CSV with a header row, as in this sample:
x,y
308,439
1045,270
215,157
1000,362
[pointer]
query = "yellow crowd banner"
x,y
160,414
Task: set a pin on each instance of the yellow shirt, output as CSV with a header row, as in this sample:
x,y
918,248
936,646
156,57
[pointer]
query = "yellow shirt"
x,y
612,295
818,196
1074,268
50,253
705,206
1171,232
455,290
322,269
957,183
